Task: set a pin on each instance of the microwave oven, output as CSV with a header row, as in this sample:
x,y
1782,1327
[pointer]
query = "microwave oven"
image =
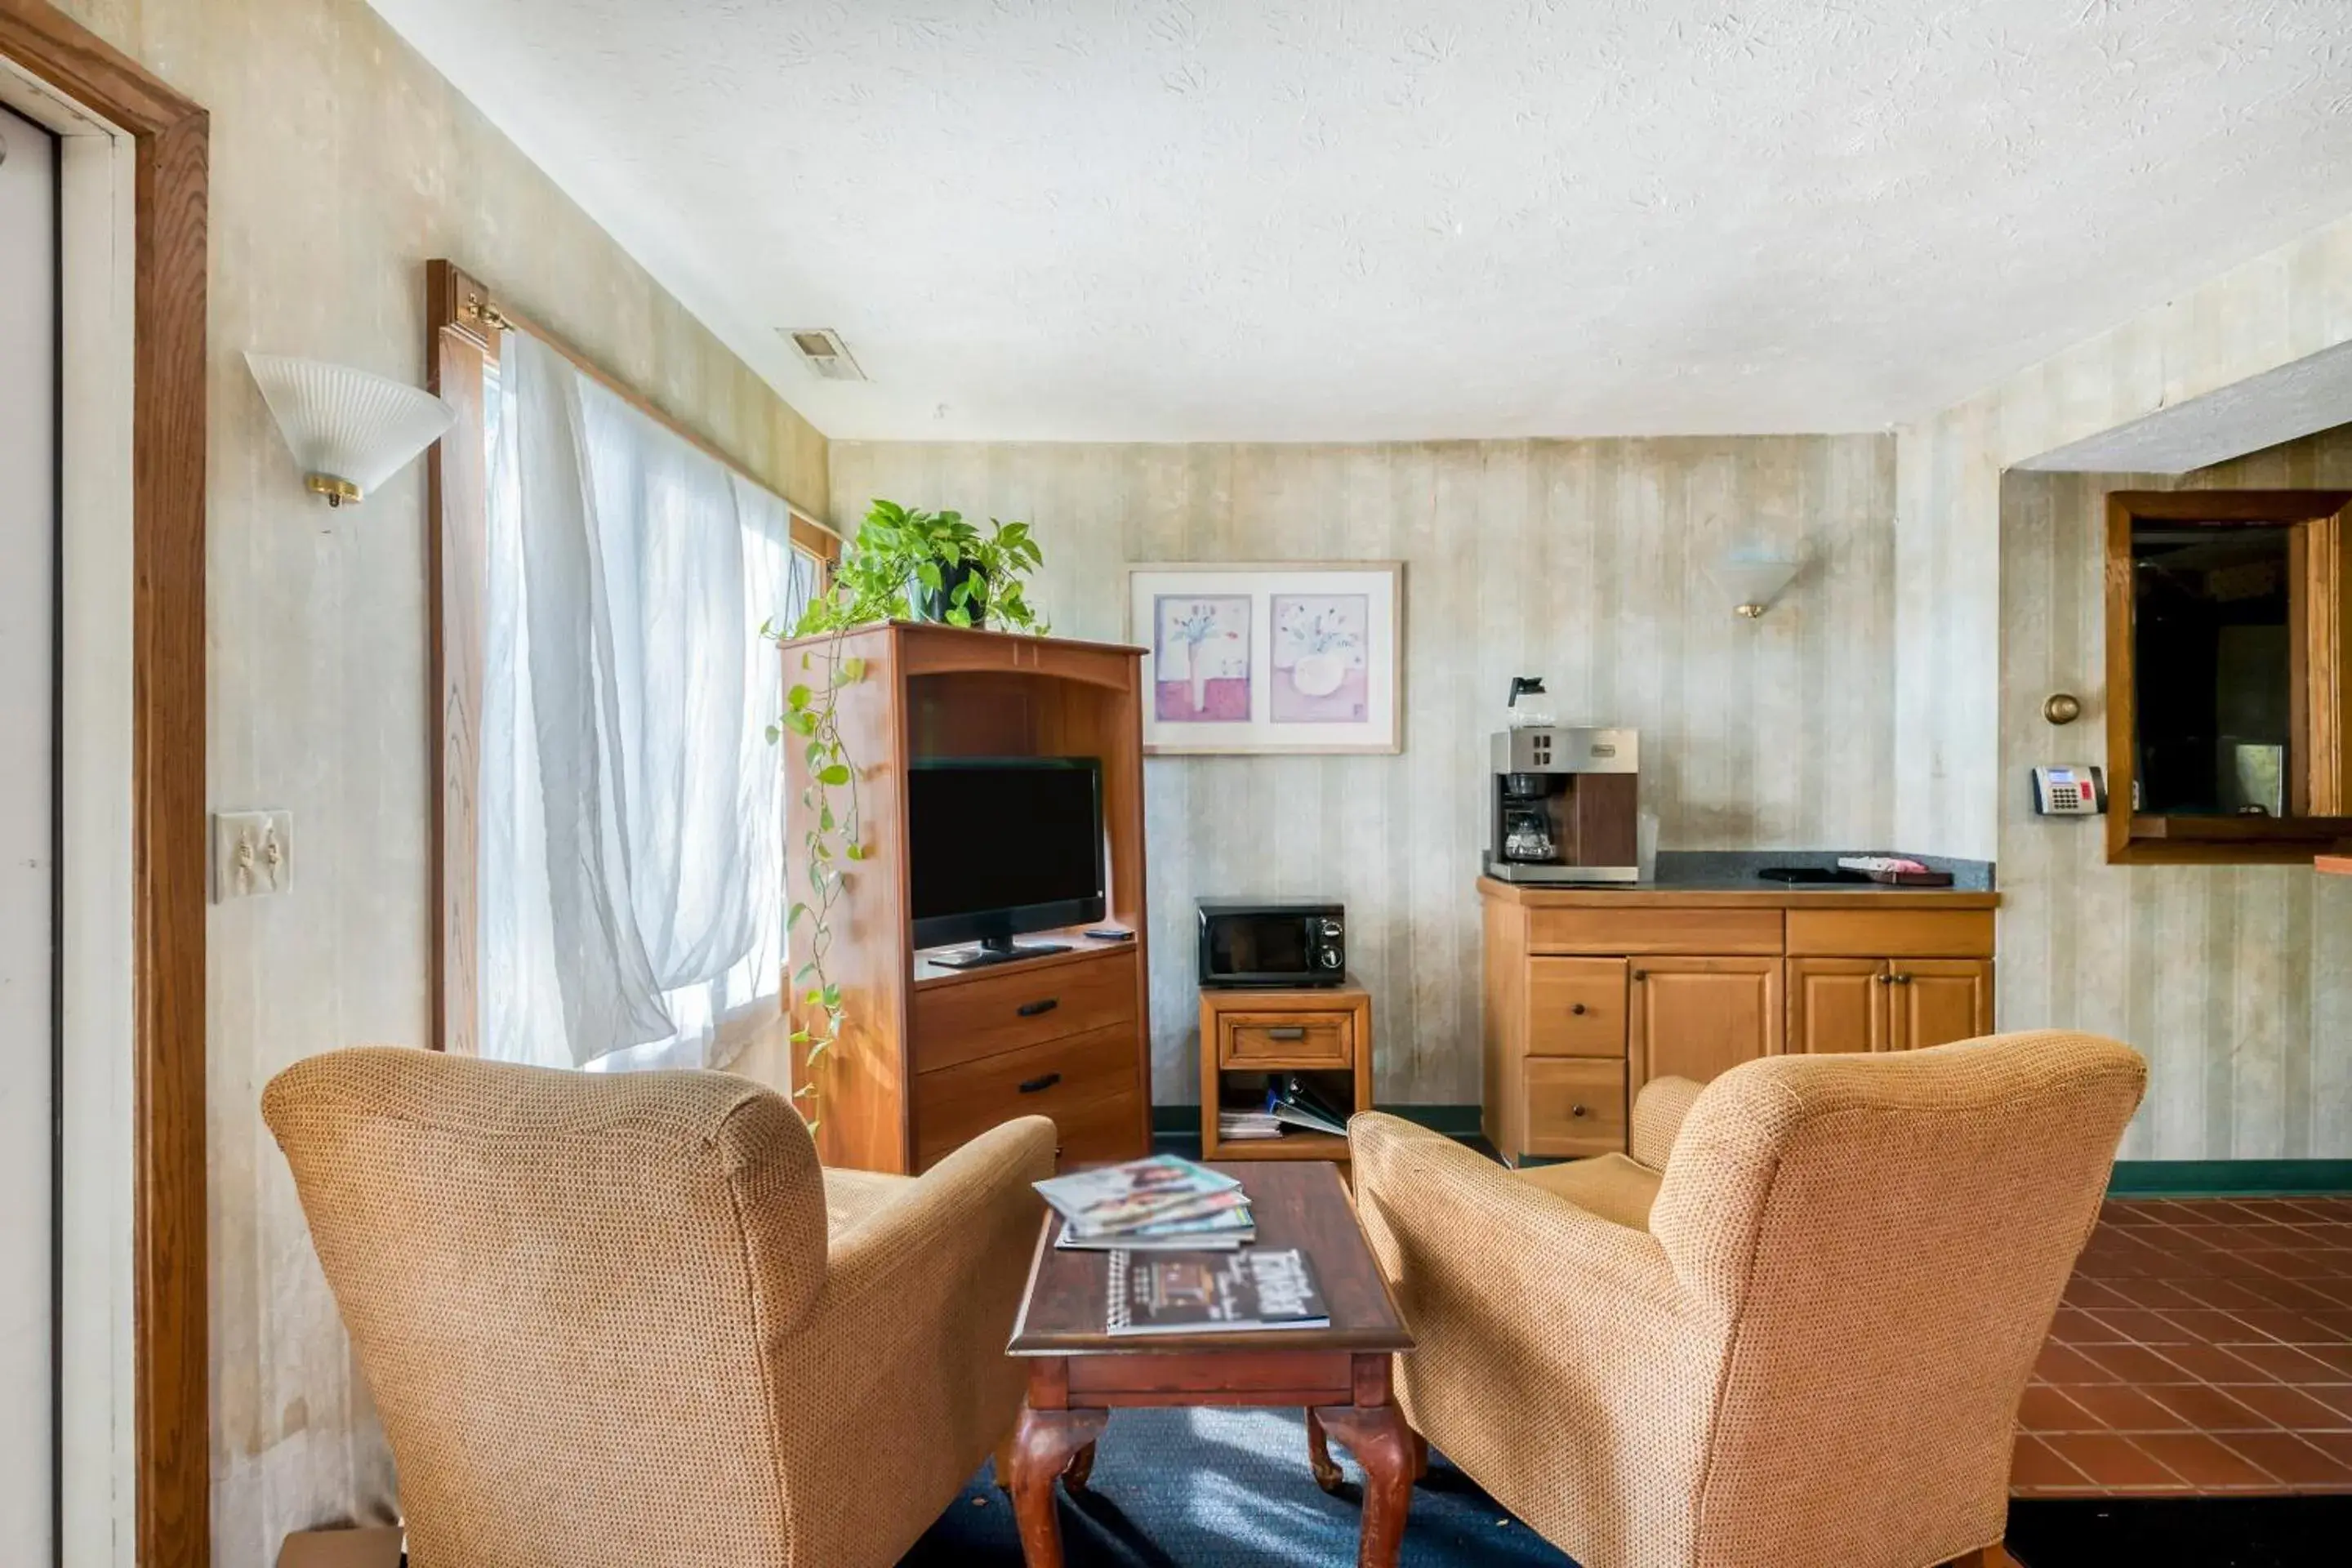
x,y
1251,942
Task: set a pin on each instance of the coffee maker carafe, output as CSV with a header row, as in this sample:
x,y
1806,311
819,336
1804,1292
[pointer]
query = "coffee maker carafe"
x,y
1527,820
1565,804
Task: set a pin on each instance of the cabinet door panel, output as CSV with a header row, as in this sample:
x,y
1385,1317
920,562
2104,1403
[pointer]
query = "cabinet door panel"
x,y
1939,1000
1695,1018
1838,1004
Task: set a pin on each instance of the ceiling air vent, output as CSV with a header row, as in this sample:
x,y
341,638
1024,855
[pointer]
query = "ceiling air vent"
x,y
824,353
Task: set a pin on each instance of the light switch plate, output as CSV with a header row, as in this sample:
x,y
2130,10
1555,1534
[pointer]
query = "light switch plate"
x,y
253,854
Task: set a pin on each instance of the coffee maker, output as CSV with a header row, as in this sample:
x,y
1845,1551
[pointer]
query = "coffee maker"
x,y
1564,804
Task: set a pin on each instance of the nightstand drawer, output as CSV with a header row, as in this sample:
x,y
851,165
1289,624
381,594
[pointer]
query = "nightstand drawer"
x,y
1576,1008
963,1020
1286,1039
1575,1106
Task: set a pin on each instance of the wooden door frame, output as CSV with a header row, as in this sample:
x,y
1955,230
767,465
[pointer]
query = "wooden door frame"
x,y
168,135
2319,748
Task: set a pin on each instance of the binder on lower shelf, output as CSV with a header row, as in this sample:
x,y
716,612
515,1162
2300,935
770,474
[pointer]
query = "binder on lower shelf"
x,y
1291,1101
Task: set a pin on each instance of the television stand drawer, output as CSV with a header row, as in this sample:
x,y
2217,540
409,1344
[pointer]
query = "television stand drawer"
x,y
1084,1082
987,1012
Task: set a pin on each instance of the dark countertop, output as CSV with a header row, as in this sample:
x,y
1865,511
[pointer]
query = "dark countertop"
x,y
1731,874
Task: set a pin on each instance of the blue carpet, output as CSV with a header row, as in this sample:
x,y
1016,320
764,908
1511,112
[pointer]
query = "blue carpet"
x,y
1228,1489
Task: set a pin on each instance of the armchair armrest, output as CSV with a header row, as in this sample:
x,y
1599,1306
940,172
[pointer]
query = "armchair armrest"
x,y
1421,1193
1658,1113
898,1369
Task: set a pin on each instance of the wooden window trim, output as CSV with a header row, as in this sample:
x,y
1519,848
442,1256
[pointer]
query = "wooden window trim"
x,y
2320,790
171,1351
463,323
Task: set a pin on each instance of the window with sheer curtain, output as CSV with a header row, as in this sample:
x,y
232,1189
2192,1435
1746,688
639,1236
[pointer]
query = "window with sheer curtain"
x,y
630,810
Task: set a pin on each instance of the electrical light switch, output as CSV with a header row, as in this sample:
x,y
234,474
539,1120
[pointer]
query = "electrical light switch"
x,y
252,853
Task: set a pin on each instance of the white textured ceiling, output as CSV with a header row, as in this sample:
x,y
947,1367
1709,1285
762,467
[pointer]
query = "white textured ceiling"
x,y
1311,219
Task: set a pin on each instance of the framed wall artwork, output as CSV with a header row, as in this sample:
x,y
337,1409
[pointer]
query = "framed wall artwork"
x,y
1270,657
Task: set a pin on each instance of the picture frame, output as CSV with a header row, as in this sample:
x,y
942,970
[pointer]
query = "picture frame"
x,y
1270,659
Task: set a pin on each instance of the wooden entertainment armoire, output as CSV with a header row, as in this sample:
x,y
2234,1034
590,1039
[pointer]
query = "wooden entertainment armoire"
x,y
930,1057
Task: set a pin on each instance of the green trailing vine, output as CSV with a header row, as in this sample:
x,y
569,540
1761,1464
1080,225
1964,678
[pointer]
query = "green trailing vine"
x,y
903,564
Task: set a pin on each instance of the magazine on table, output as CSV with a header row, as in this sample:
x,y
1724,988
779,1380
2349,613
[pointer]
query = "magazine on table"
x,y
1163,1217
1130,1194
1221,1232
1197,1291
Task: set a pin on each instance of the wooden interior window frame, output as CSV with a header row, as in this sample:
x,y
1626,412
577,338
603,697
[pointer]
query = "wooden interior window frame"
x,y
463,325
170,1332
2319,636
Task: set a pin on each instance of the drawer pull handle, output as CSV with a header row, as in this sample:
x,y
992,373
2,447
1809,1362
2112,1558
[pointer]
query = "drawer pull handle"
x,y
1576,1110
1032,1009
1641,974
1040,1083
1287,1032
1902,979
1577,1008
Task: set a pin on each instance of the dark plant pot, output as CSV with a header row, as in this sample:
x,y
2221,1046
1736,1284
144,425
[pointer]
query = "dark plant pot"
x,y
932,604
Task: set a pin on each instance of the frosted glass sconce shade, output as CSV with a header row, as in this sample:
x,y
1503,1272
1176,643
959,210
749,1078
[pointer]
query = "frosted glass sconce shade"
x,y
349,430
1754,578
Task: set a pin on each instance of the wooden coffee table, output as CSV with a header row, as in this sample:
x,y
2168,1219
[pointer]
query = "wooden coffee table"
x,y
1078,1374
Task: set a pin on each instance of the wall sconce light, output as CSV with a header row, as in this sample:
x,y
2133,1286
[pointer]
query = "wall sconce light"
x,y
349,431
1754,577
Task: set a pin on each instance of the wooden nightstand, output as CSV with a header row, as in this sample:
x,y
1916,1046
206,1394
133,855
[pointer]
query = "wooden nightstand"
x,y
1324,1032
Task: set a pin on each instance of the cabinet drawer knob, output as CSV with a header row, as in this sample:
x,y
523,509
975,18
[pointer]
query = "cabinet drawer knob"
x,y
1641,974
1576,1110
1287,1032
1884,979
1902,979
1577,1008
1041,1082
1032,1009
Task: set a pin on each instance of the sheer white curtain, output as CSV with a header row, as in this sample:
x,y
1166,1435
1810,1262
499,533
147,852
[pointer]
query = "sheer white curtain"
x,y
630,888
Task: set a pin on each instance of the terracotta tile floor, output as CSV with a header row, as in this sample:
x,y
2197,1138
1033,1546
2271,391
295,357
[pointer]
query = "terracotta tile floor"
x,y
2203,1345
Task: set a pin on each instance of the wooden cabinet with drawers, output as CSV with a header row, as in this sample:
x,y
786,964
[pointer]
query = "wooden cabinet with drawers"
x,y
929,1055
1324,1032
1591,993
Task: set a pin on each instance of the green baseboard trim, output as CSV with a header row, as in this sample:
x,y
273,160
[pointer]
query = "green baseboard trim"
x,y
2229,1178
1453,1121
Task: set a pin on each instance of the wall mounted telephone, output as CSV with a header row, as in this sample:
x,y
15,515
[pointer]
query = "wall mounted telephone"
x,y
2069,789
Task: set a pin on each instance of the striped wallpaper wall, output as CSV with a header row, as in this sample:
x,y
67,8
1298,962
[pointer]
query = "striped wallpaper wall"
x,y
2235,981
2281,306
1582,561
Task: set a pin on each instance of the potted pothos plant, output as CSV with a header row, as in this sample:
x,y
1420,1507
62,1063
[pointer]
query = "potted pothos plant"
x,y
903,564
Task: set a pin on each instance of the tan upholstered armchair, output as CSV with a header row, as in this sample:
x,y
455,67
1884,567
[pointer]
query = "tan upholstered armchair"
x,y
626,1322
1792,1330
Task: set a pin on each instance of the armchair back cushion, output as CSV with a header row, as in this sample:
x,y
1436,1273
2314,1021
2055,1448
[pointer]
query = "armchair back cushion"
x,y
1884,1239
673,1225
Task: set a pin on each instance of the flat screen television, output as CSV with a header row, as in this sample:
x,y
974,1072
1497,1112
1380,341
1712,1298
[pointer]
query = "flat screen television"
x,y
1001,845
